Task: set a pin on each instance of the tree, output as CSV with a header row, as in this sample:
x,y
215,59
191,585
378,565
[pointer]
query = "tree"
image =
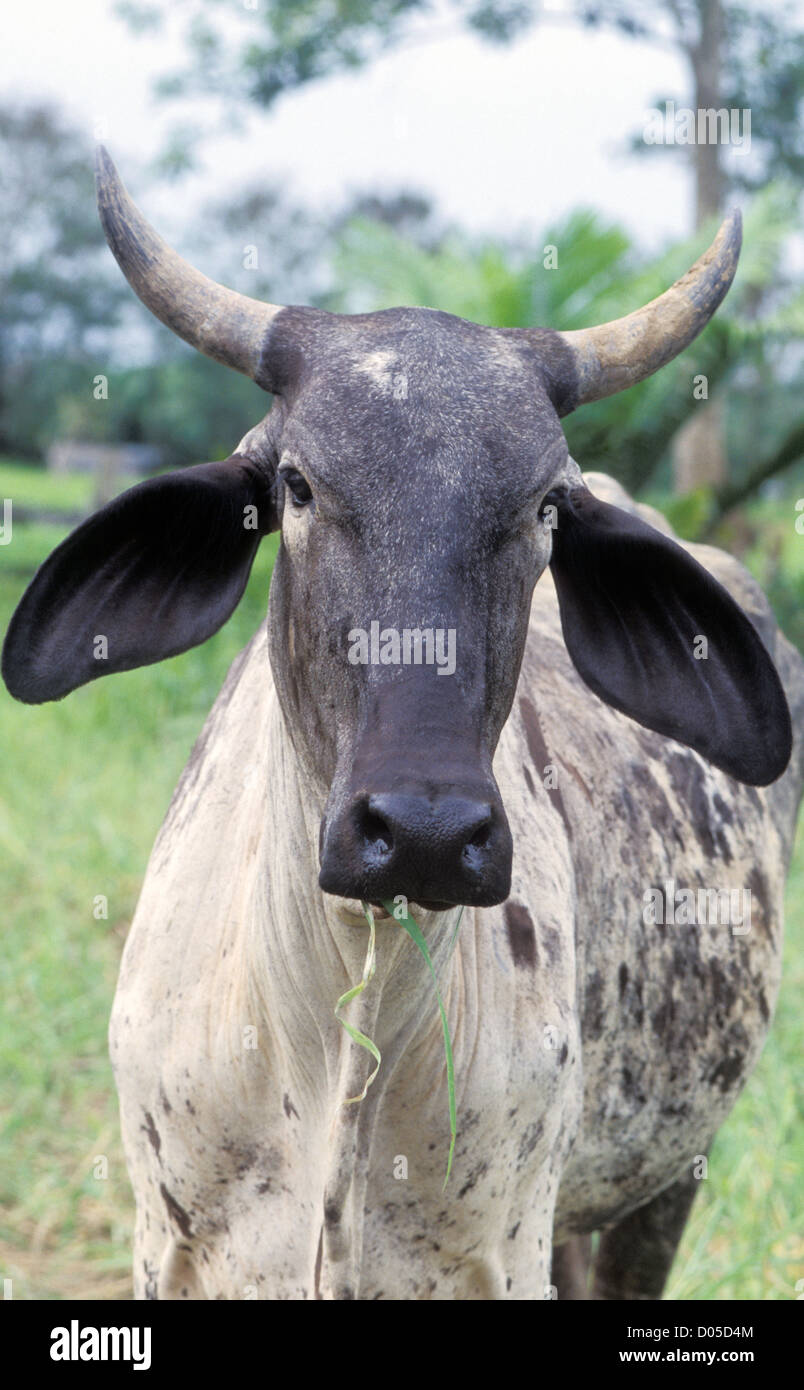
x,y
55,292
740,55
58,296
742,59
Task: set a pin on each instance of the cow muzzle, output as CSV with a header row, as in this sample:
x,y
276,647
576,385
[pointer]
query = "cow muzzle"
x,y
438,850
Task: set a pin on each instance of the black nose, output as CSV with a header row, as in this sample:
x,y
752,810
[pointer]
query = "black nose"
x,y
445,849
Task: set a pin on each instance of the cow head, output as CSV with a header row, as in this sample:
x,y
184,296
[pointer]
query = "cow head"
x,y
416,466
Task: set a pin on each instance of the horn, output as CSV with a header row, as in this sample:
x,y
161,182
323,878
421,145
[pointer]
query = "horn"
x,y
221,323
615,355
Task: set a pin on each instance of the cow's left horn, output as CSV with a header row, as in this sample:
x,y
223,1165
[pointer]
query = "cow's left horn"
x,y
221,323
615,355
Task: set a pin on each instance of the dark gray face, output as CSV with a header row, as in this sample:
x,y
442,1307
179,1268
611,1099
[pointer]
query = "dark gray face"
x,y
426,446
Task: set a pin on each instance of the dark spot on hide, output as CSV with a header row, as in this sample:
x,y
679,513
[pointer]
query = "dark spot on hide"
x,y
631,1089
630,996
540,756
551,939
662,1018
289,1107
166,1105
521,935
689,783
723,809
563,1055
727,1072
332,1214
153,1133
659,811
675,1110
724,993
631,810
528,1142
761,913
477,1172
244,1156
528,780
593,1016
317,1272
151,1282
754,798
176,1212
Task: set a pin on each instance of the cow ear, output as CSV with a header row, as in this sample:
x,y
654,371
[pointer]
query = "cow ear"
x,y
158,570
634,606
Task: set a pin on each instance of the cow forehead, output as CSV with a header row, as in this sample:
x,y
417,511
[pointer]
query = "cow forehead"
x,y
414,389
435,348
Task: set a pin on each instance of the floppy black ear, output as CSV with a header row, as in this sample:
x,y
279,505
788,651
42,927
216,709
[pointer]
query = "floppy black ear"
x,y
632,605
158,570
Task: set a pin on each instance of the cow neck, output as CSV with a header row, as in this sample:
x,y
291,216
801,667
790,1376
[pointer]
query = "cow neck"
x,y
311,957
303,958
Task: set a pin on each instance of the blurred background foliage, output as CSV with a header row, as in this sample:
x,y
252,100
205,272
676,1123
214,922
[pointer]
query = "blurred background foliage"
x,y
65,313
738,55
67,316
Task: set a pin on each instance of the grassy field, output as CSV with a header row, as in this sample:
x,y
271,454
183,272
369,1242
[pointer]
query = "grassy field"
x,y
84,785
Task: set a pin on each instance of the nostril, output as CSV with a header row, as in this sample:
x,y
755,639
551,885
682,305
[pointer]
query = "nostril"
x,y
480,838
376,832
472,852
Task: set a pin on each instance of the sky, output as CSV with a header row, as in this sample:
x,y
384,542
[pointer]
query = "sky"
x,y
503,138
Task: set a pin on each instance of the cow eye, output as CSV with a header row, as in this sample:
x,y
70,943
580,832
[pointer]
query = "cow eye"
x,y
550,499
298,487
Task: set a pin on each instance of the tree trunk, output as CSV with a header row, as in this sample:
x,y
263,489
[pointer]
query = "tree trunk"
x,y
699,455
706,67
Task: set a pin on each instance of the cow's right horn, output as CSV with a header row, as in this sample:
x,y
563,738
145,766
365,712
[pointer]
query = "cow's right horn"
x,y
221,323
612,356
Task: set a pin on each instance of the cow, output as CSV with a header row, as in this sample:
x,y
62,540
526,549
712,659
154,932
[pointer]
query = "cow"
x,y
613,741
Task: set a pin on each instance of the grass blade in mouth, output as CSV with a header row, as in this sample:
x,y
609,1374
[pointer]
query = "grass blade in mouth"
x,y
354,1033
414,931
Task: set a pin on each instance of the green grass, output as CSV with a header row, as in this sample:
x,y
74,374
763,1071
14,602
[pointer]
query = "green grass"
x,y
31,486
84,785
